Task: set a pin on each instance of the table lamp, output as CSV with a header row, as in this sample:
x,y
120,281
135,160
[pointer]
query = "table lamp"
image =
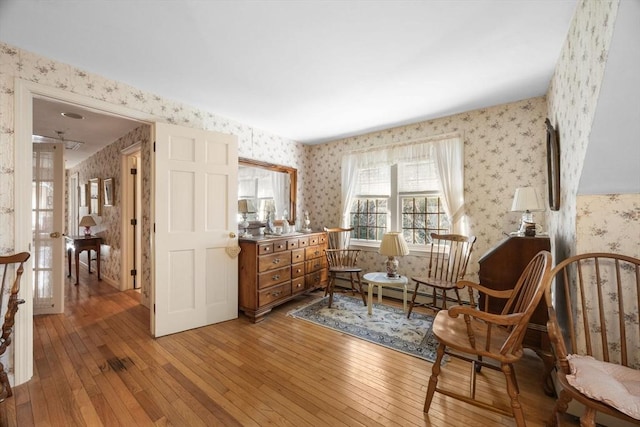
x,y
87,222
393,245
245,207
526,200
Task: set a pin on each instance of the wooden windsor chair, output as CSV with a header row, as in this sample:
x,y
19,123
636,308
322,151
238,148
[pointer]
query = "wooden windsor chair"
x,y
342,260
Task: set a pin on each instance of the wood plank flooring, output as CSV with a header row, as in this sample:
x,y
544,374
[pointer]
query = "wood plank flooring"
x,y
97,365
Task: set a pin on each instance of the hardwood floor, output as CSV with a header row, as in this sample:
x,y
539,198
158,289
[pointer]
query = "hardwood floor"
x,y
98,365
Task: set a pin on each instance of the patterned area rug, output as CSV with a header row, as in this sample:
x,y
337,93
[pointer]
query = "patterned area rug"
x,y
387,326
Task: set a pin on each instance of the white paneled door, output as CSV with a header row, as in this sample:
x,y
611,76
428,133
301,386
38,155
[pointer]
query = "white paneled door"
x,y
196,185
47,216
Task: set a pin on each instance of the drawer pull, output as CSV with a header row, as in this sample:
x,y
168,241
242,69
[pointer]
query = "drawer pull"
x,y
276,261
276,294
276,277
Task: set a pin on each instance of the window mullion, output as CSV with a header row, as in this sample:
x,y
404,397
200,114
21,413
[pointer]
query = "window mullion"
x,y
394,201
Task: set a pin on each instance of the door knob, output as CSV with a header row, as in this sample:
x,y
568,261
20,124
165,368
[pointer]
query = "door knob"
x,y
232,235
55,235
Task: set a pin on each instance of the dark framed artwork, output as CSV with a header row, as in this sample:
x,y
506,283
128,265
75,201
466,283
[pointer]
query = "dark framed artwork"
x,y
553,166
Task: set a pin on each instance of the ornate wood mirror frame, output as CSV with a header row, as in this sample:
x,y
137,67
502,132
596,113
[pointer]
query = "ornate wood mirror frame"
x,y
291,172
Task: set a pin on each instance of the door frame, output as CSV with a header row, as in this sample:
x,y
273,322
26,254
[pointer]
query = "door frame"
x,y
25,92
127,239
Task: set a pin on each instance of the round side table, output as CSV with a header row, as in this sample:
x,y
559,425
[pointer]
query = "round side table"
x,y
381,280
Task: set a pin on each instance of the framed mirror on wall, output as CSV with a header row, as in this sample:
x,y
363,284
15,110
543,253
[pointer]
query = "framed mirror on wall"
x,y
95,199
269,187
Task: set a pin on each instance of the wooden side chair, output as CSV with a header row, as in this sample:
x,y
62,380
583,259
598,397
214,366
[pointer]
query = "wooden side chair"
x,y
479,337
8,264
447,264
342,260
594,331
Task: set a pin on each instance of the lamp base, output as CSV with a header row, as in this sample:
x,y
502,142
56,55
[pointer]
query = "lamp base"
x,y
87,232
392,268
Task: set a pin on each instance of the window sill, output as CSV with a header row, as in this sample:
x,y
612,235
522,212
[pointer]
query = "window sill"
x,y
374,246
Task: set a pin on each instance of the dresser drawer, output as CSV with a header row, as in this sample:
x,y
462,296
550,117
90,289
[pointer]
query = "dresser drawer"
x,y
313,252
273,294
315,280
303,242
273,261
313,265
279,246
274,277
292,244
297,270
297,255
265,248
298,285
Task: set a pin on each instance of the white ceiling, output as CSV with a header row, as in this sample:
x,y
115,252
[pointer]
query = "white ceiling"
x,y
308,70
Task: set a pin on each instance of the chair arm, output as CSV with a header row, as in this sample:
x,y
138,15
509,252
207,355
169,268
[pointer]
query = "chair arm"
x,y
497,319
505,294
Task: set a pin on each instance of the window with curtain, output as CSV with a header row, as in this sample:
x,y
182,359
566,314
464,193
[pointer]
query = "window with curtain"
x,y
415,188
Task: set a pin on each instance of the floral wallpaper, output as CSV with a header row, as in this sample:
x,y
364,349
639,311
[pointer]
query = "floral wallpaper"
x,y
505,148
572,100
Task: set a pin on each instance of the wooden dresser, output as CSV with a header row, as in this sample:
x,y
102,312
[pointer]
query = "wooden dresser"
x,y
500,269
275,269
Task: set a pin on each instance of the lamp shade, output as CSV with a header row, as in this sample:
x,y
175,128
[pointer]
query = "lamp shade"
x,y
87,221
246,206
526,200
393,244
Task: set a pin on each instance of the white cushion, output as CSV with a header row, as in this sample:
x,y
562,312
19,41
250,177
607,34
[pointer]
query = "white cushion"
x,y
615,385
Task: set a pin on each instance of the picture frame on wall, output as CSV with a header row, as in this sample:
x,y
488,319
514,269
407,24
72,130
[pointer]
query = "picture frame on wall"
x,y
107,186
553,166
95,199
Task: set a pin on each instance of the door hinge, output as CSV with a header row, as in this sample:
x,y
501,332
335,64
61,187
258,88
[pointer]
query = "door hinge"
x,y
154,309
154,146
134,171
134,272
134,221
154,227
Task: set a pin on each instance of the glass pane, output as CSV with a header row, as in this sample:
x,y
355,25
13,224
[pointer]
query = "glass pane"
x,y
45,255
43,288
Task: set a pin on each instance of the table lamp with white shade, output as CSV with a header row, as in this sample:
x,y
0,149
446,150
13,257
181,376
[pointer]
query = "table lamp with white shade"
x,y
393,245
526,200
87,222
245,207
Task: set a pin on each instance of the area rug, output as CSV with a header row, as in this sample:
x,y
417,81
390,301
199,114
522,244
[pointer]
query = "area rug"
x,y
387,326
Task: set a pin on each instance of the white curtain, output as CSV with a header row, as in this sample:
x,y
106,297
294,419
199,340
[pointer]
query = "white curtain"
x,y
448,154
449,157
349,185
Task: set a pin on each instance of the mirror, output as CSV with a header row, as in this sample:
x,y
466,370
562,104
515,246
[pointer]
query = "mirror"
x,y
270,187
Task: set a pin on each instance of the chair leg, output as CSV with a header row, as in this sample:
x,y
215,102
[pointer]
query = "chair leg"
x,y
364,299
433,379
512,391
5,387
330,285
353,291
413,301
561,406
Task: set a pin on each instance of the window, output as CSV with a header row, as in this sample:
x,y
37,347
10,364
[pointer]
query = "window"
x,y
403,196
415,187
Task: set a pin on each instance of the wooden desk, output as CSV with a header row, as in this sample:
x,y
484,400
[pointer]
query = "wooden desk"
x,y
79,244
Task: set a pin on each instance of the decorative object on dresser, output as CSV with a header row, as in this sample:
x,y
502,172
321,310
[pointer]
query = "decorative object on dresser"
x,y
596,296
392,246
342,260
526,200
492,341
87,222
245,207
500,268
12,266
275,269
448,259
